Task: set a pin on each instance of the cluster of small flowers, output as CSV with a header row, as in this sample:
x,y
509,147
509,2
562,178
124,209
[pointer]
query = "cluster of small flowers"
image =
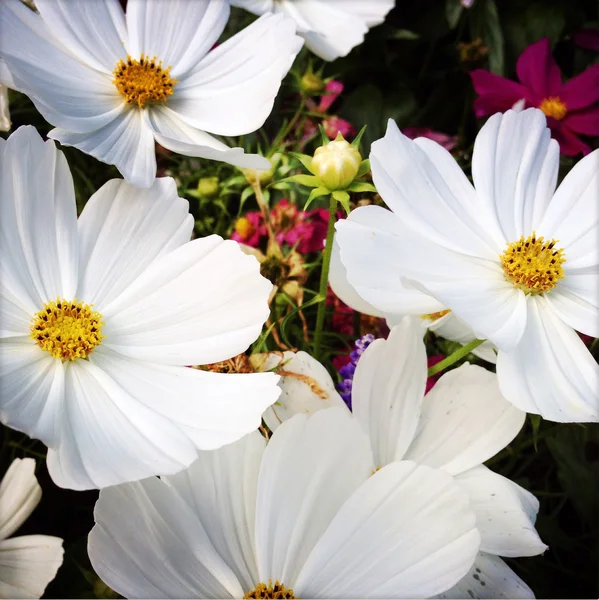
x,y
347,371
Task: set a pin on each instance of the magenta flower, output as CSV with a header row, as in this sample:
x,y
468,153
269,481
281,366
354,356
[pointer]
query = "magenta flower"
x,y
572,108
449,142
250,229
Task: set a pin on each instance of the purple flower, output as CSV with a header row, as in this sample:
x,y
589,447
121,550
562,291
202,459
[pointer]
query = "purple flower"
x,y
347,371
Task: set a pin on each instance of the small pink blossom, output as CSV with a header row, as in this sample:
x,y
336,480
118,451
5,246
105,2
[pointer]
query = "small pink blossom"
x,y
306,230
334,125
332,91
449,142
432,361
572,108
250,229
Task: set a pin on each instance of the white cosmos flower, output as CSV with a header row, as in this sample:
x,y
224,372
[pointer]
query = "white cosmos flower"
x,y
27,563
98,317
433,315
515,260
330,28
305,511
112,84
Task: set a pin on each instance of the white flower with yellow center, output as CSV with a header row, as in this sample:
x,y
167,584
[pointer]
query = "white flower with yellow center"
x,y
99,316
112,84
512,258
330,28
304,516
28,563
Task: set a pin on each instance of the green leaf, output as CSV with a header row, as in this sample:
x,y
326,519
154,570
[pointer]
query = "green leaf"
x,y
358,138
316,193
453,12
308,180
361,186
247,192
294,312
364,168
343,198
493,36
324,138
535,421
365,105
404,34
304,159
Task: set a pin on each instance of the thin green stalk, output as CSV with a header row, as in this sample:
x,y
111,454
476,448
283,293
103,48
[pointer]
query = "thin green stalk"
x,y
287,128
324,276
453,358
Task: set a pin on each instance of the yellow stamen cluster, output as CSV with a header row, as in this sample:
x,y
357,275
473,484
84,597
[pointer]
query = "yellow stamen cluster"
x,y
67,330
142,81
554,107
436,315
276,590
533,265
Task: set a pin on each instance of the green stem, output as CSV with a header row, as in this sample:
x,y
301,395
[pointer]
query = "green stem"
x,y
324,276
453,358
285,131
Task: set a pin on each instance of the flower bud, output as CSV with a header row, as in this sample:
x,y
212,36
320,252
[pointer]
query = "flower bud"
x,y
336,164
311,83
208,187
263,176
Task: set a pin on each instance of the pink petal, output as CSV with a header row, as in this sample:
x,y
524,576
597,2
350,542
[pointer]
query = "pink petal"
x,y
332,91
569,143
496,94
449,142
583,90
539,72
585,121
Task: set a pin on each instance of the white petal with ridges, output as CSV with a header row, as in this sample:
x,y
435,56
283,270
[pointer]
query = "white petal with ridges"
x,y
505,513
388,389
28,564
306,387
20,493
408,532
148,543
464,421
201,303
550,372
122,230
578,306
310,467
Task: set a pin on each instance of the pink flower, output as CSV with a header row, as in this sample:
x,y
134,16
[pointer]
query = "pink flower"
x,y
334,125
306,229
250,229
332,91
449,142
572,108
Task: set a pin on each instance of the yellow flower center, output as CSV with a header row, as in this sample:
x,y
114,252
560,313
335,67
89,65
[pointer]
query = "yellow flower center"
x,y
436,315
276,590
532,264
142,81
244,227
554,107
67,330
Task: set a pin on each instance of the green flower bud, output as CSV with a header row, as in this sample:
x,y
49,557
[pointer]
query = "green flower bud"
x,y
336,164
264,177
311,83
208,187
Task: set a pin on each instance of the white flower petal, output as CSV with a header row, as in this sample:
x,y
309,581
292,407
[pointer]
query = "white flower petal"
x,y
576,302
464,421
372,13
20,493
550,372
310,467
178,32
408,532
306,387
122,230
514,168
370,245
28,564
572,217
38,221
423,185
67,93
505,513
451,328
148,543
15,320
342,287
232,90
94,31
125,420
174,134
32,384
201,303
489,578
221,488
126,142
388,389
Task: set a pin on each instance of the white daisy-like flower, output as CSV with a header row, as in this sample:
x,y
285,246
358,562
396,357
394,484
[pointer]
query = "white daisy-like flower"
x,y
433,315
515,260
301,517
27,563
99,315
330,28
113,83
